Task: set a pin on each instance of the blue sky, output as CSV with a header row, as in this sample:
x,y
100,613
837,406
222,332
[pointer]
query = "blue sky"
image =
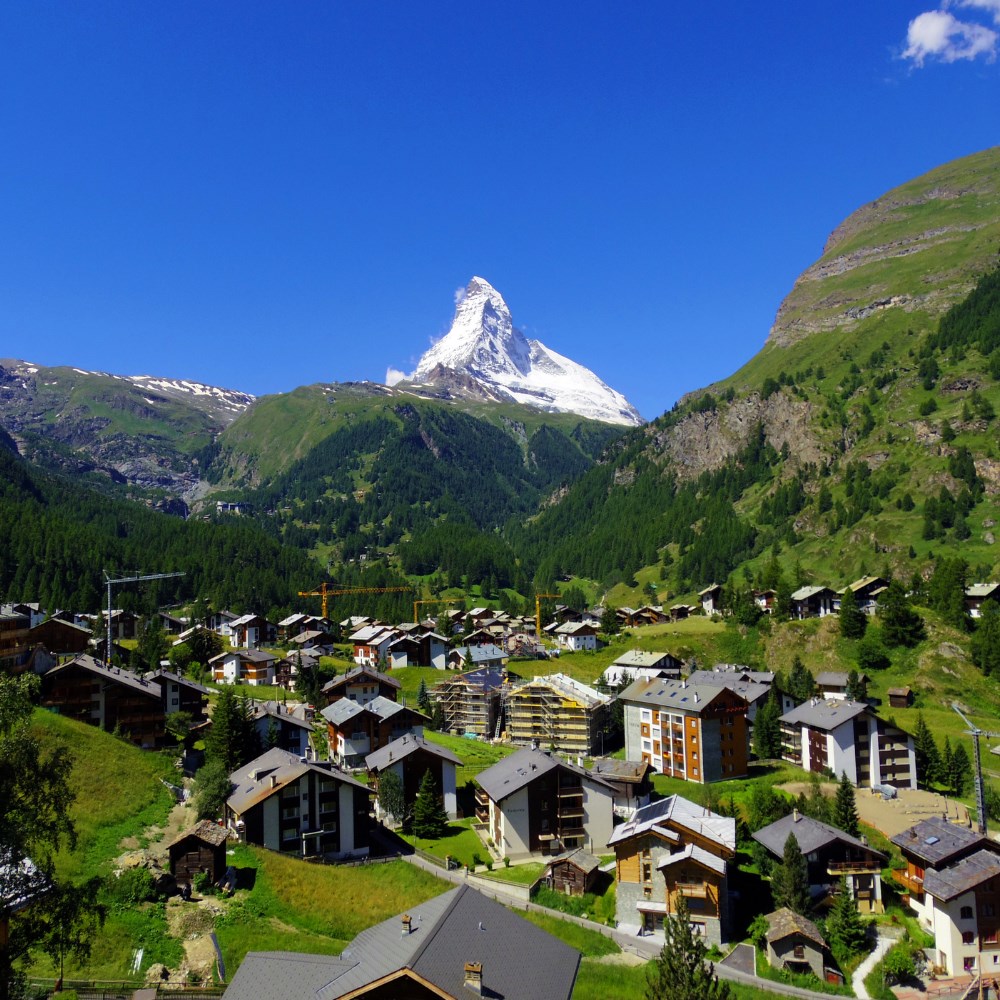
x,y
264,195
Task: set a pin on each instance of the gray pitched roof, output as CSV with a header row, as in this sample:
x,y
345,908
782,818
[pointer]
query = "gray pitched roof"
x,y
114,675
810,834
358,674
402,748
963,876
826,715
519,960
519,769
785,921
679,695
252,782
341,711
579,858
639,658
832,678
155,675
935,840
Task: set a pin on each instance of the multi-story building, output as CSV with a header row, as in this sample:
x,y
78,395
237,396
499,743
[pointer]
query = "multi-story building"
x,y
697,732
244,666
371,644
840,736
534,802
410,758
180,694
110,697
557,711
470,703
361,684
830,853
301,807
668,850
952,884
278,725
354,730
14,642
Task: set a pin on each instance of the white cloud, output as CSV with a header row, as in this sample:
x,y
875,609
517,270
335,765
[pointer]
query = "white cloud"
x,y
459,295
394,375
990,6
936,34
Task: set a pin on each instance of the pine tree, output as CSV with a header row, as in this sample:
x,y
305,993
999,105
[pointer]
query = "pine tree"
x,y
925,752
767,729
423,698
853,621
845,808
801,682
961,770
790,879
901,625
986,640
430,821
681,970
845,928
391,801
856,689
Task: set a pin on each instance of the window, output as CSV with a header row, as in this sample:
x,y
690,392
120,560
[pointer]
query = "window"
x,y
966,913
647,871
989,909
694,754
695,772
694,722
799,951
990,937
968,937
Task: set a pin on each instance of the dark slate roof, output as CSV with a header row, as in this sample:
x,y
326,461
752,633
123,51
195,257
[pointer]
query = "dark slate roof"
x,y
284,975
785,921
400,749
935,840
114,675
963,876
342,711
276,710
358,674
155,675
519,960
579,858
825,715
810,834
252,782
511,774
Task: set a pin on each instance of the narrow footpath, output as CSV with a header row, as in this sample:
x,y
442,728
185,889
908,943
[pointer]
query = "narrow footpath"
x,y
882,944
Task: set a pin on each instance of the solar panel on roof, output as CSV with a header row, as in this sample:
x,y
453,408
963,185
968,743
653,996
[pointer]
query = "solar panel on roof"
x,y
932,840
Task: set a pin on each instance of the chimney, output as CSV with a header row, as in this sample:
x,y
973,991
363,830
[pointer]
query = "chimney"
x,y
407,925
796,816
474,977
274,781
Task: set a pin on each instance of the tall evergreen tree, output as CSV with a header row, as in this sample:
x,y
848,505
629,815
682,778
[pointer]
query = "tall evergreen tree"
x,y
767,729
961,770
845,808
423,698
986,640
925,752
853,621
429,818
845,928
681,971
800,683
790,879
901,625
946,591
856,689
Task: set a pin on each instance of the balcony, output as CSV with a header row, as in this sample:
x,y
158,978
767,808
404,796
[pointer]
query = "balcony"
x,y
839,868
913,884
693,890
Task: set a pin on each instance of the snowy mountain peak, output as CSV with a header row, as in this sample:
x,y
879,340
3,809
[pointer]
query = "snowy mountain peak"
x,y
484,355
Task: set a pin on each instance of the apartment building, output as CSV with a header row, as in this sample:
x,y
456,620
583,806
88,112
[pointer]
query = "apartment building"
x,y
354,731
697,732
841,736
470,703
13,641
534,802
557,711
952,884
672,849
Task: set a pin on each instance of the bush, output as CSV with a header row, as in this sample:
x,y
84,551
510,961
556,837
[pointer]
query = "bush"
x,y
129,888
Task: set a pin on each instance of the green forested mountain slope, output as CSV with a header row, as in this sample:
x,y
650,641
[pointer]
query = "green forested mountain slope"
x,y
58,537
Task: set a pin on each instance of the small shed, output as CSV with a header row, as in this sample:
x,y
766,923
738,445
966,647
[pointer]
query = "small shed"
x,y
202,849
795,943
573,873
900,697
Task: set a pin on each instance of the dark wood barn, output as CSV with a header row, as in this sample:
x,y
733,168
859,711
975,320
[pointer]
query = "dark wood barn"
x,y
202,849
574,873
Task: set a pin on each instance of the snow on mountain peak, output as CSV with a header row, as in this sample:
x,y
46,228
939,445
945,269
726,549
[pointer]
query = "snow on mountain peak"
x,y
483,344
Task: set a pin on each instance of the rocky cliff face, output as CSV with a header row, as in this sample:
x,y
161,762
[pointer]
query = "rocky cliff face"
x,y
917,248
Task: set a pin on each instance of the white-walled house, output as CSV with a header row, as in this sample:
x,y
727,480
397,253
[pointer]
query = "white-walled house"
x,y
410,758
244,666
576,636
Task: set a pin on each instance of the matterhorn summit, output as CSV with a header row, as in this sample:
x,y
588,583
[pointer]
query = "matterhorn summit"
x,y
484,356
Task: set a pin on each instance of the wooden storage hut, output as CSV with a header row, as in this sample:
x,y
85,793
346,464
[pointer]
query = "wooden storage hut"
x,y
901,697
202,849
573,873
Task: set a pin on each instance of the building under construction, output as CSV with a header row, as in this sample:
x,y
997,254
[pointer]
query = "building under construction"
x,y
557,711
470,703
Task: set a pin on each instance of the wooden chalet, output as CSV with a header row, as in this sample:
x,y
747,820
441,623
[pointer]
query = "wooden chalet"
x,y
573,873
201,849
61,638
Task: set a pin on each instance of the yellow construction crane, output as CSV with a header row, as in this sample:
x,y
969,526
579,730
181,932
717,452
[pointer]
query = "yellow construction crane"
x,y
331,590
538,613
434,600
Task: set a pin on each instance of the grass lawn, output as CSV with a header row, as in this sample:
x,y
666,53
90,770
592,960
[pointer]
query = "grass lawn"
x,y
588,942
118,792
295,901
599,905
472,753
460,842
527,874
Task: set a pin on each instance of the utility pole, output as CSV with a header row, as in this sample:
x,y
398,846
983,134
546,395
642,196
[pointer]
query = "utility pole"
x,y
126,579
